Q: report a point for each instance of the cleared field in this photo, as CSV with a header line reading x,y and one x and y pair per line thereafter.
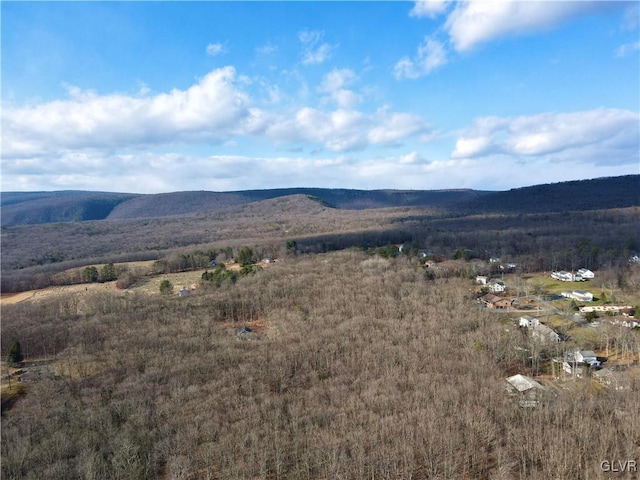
x,y
57,292
149,285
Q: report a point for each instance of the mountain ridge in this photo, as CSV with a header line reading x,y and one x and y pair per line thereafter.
x,y
21,208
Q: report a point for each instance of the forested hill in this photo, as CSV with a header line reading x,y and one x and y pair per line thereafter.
x,y
21,208
67,206
209,202
596,194
46,207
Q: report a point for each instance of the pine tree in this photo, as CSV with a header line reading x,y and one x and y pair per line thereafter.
x,y
166,287
15,353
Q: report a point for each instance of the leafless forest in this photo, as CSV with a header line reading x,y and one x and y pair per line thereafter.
x,y
32,255
356,366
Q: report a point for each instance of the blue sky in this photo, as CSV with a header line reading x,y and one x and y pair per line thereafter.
x,y
156,97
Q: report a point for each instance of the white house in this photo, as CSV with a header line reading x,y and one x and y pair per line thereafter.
x,y
579,295
497,286
482,280
585,273
528,321
586,356
563,276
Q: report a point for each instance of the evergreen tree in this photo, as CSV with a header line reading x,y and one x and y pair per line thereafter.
x,y
246,256
90,274
15,353
108,273
166,287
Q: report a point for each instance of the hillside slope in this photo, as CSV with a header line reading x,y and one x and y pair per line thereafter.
x,y
180,203
582,195
21,208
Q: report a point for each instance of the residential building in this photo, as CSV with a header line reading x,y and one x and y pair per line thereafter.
x,y
493,301
623,309
585,274
528,321
579,295
587,357
544,334
563,276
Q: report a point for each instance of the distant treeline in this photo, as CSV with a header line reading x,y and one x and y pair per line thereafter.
x,y
537,242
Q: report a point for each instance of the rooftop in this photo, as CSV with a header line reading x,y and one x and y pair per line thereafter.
x,y
522,383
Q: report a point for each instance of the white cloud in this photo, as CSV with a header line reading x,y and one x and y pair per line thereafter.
x,y
601,136
393,127
477,21
211,110
467,147
215,110
429,8
334,83
162,172
344,130
317,55
214,49
314,51
431,55
627,49
339,131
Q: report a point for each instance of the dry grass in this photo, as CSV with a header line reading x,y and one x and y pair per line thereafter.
x,y
149,285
